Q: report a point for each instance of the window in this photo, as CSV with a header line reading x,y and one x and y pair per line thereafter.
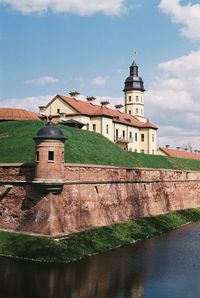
x,y
87,126
123,132
129,112
142,137
58,111
152,151
141,98
136,150
141,112
107,129
136,111
136,98
130,134
129,98
142,151
153,138
136,136
94,127
37,156
51,155
117,133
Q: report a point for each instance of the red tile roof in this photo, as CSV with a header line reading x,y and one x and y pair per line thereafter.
x,y
180,153
17,114
90,109
148,124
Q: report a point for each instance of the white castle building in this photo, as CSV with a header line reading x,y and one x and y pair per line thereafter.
x,y
124,125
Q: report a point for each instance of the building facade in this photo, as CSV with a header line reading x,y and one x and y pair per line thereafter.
x,y
124,125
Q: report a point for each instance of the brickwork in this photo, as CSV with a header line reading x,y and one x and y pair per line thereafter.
x,y
82,206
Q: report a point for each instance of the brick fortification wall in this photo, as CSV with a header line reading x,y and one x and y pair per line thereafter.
x,y
105,195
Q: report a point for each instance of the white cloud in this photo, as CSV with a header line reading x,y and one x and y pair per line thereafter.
x,y
80,7
99,80
29,103
188,15
174,100
46,80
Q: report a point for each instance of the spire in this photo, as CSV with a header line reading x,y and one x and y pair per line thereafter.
x,y
134,67
134,58
134,82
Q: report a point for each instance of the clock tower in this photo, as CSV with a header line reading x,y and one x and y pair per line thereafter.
x,y
134,94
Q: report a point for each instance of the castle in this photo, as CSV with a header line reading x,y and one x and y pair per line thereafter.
x,y
125,125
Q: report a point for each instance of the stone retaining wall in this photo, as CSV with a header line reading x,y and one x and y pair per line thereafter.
x,y
92,196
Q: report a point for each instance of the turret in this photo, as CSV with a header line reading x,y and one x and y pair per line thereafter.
x,y
134,93
49,163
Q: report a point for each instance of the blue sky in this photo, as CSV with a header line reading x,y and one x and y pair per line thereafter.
x,y
54,46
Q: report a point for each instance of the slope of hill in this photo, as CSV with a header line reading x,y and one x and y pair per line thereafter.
x,y
17,145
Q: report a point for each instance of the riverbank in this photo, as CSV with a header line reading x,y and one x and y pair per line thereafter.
x,y
79,245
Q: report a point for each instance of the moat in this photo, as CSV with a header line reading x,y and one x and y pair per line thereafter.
x,y
166,266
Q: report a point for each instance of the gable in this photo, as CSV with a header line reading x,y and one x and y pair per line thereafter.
x,y
58,104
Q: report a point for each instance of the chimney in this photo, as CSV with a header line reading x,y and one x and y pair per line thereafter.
x,y
42,109
178,148
105,103
119,107
167,146
91,99
74,94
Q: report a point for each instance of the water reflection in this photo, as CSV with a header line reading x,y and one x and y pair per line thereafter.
x,y
166,266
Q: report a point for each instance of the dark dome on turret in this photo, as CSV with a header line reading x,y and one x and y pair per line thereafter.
x,y
134,82
50,132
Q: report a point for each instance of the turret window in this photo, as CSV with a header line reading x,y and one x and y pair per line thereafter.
x,y
51,156
129,98
153,138
136,111
37,156
142,137
136,98
123,133
129,111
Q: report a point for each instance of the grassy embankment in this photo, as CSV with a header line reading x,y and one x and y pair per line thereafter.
x,y
82,147
80,245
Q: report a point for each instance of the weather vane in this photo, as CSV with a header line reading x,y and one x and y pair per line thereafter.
x,y
134,54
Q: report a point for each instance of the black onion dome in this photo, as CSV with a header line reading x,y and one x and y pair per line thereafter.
x,y
134,82
50,132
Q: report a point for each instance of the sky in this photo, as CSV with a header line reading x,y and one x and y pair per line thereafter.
x,y
49,47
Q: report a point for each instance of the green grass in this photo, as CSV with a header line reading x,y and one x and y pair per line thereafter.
x,y
82,146
83,244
